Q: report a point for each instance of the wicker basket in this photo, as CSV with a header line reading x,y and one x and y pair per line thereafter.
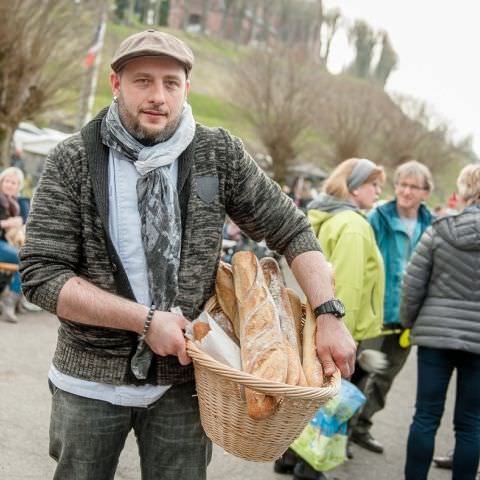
x,y
224,416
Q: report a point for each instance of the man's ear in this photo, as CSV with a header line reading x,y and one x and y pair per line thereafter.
x,y
187,88
115,83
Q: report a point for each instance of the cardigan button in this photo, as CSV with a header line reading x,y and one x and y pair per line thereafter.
x,y
114,268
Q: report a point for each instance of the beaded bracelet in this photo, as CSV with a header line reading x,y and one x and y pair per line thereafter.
x,y
148,322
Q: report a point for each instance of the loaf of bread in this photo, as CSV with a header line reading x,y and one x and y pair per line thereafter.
x,y
262,345
274,280
215,311
311,363
225,292
200,330
298,317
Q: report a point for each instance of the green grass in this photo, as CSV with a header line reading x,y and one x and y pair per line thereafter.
x,y
217,113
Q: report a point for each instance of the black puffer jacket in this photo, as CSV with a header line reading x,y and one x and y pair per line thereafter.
x,y
441,292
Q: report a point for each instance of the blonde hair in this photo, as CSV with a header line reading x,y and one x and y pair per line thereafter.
x,y
468,184
414,169
336,184
12,171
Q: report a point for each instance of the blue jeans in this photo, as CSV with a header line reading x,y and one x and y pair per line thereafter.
x,y
87,436
435,368
9,254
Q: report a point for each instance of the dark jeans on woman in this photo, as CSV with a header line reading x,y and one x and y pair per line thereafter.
x,y
87,436
435,368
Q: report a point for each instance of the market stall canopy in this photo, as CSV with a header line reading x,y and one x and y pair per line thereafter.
x,y
37,141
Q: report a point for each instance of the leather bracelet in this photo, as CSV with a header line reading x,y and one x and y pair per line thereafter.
x,y
148,321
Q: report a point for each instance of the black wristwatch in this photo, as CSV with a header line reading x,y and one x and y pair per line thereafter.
x,y
333,306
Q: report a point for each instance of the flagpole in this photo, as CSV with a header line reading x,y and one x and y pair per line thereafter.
x,y
93,65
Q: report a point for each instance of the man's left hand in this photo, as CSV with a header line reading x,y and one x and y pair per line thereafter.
x,y
335,346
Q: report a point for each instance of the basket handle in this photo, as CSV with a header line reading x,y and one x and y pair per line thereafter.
x,y
261,385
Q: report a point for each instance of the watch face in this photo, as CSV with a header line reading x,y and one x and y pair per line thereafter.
x,y
339,307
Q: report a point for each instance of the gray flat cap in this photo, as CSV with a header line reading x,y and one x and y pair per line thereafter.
x,y
152,43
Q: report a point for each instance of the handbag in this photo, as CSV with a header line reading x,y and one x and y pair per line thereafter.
x,y
323,442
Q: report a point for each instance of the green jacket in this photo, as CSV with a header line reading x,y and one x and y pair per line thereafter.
x,y
348,242
67,235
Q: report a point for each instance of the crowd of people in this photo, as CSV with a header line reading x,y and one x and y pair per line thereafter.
x,y
127,223
13,215
412,279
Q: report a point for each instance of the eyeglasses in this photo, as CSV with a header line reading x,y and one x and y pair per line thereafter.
x,y
413,188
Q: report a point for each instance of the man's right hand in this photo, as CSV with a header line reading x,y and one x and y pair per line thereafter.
x,y
166,336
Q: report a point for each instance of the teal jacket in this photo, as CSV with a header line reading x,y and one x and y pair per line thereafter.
x,y
396,248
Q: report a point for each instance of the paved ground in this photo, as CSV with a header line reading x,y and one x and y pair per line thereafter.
x,y
25,353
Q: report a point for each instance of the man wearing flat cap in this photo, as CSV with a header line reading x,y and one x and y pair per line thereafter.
x,y
126,226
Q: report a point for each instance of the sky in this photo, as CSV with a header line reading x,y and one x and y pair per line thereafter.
x,y
437,44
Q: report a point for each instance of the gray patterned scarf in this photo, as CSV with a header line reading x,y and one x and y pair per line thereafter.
x,y
158,207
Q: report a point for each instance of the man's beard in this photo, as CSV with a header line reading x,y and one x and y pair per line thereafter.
x,y
144,136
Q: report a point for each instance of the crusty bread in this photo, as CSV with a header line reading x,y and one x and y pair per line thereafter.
x,y
311,364
274,280
225,292
215,311
262,345
297,311
200,330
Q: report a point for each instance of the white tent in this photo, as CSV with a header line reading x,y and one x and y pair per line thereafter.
x,y
36,141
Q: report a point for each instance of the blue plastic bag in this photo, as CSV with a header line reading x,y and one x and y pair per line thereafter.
x,y
323,442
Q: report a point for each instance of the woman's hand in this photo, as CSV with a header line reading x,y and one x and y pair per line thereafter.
x,y
12,222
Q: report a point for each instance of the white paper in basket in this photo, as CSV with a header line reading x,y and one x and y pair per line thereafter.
x,y
216,343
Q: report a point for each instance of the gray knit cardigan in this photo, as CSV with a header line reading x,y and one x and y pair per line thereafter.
x,y
67,235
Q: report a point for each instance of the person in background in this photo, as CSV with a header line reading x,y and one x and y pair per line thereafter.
x,y
302,192
440,303
125,225
340,225
11,237
348,242
398,226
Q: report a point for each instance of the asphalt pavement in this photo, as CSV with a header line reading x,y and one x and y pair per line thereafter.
x,y
25,353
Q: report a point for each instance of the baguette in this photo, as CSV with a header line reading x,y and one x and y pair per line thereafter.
x,y
274,280
225,292
262,346
311,364
298,316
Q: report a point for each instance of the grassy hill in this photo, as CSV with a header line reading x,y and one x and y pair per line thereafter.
x,y
211,103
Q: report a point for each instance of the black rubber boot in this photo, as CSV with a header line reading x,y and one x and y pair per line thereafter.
x,y
286,463
303,471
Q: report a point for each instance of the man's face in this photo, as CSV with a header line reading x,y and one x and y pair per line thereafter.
x,y
411,191
151,92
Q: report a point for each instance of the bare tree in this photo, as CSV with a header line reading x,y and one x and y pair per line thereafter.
x,y
204,19
350,113
239,15
227,8
415,130
42,45
276,89
364,39
387,62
